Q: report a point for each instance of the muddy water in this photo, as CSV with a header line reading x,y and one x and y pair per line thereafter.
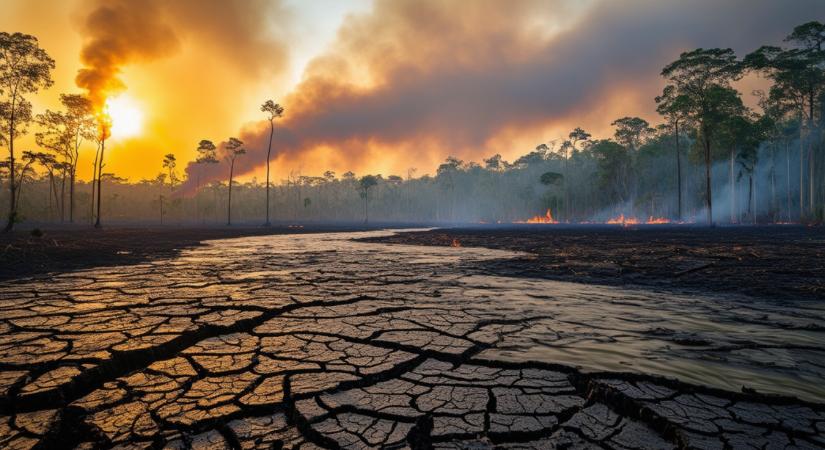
x,y
726,342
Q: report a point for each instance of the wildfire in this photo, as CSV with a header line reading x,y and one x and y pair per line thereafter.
x,y
621,219
455,243
546,218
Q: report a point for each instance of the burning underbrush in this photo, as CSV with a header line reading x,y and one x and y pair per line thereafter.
x,y
621,219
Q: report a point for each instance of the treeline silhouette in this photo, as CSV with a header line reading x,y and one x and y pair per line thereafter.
x,y
711,159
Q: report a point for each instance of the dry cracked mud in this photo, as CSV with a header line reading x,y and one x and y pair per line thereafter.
x,y
317,341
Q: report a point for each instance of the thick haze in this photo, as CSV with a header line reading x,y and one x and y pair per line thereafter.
x,y
379,87
414,81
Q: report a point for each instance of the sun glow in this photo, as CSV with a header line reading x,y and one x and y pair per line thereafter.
x,y
125,115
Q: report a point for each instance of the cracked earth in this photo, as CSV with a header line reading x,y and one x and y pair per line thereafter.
x,y
318,341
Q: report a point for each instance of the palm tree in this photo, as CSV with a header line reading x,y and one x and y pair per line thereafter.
x,y
233,148
274,110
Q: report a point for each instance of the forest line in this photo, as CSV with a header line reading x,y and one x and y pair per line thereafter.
x,y
710,159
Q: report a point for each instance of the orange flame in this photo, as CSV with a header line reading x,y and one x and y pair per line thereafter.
x,y
455,243
546,218
104,122
623,220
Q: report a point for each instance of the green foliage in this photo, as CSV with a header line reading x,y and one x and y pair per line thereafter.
x,y
552,179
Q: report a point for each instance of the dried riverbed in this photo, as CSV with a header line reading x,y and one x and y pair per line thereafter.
x,y
316,340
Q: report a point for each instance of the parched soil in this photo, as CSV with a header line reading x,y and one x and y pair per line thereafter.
x,y
780,262
317,341
23,253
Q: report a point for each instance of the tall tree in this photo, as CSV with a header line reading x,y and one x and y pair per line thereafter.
x,y
170,164
366,183
80,126
273,111
702,78
25,68
631,133
673,107
104,126
206,155
233,148
63,132
798,76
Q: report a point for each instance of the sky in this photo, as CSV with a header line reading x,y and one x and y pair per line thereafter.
x,y
377,86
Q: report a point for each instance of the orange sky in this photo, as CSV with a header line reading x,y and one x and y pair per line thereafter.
x,y
387,85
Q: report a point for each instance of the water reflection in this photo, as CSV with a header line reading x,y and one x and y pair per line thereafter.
x,y
721,341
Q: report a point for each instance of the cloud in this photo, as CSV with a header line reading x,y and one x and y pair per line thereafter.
x,y
416,80
119,33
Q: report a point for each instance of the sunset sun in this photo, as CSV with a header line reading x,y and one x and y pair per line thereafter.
x,y
126,116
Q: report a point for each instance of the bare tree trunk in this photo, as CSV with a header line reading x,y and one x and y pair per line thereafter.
x,y
708,194
366,205
99,179
268,155
732,189
678,173
801,174
94,183
773,182
12,186
72,174
49,188
751,211
197,194
229,203
63,196
811,176
788,178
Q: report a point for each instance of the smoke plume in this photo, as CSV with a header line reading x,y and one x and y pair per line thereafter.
x,y
119,33
430,78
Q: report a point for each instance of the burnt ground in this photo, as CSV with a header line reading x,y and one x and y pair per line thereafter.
x,y
776,262
315,341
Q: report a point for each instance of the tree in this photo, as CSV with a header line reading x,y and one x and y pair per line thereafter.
x,y
574,138
30,158
206,155
273,111
366,183
25,68
630,132
54,137
735,133
674,107
446,174
80,126
104,126
233,148
64,132
169,163
613,160
702,79
798,82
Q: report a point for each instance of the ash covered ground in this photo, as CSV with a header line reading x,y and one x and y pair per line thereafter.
x,y
776,262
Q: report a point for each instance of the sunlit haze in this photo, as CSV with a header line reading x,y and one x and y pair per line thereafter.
x,y
126,116
377,87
